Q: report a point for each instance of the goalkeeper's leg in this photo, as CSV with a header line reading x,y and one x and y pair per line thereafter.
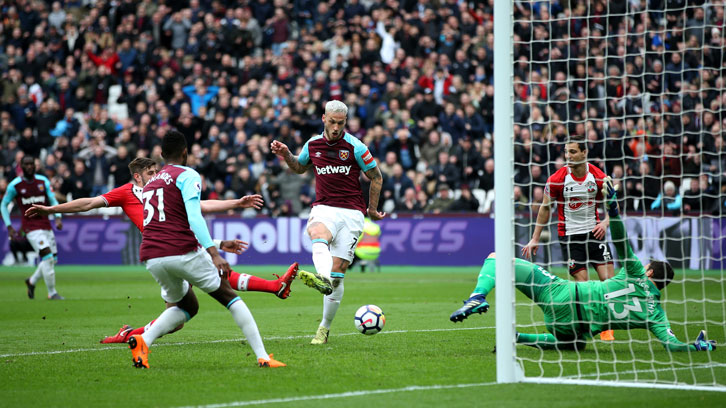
x,y
530,279
547,341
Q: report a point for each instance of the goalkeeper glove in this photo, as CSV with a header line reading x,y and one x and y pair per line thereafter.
x,y
609,191
702,344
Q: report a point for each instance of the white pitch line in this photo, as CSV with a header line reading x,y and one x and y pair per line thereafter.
x,y
443,387
51,352
341,395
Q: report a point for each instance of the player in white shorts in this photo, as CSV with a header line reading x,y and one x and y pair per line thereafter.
x,y
26,190
336,220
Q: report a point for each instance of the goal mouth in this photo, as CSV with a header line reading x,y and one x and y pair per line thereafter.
x,y
590,90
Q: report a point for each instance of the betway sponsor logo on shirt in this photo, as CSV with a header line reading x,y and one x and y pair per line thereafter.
x,y
32,200
333,170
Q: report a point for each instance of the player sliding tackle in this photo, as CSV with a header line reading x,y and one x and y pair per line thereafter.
x,y
128,197
576,311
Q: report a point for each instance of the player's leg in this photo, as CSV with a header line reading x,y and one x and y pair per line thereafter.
x,y
201,272
250,283
245,321
320,228
574,252
530,279
349,226
126,331
41,241
174,289
602,260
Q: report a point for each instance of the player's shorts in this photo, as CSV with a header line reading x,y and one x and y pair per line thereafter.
x,y
40,239
579,250
345,224
175,273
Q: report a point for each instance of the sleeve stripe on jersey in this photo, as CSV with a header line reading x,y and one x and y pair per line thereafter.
x,y
367,157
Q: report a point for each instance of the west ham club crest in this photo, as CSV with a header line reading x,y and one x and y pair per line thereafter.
x,y
343,154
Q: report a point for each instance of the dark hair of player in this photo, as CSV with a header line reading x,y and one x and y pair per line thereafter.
x,y
662,273
139,164
173,145
580,140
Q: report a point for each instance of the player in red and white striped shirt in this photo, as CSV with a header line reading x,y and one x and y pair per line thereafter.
x,y
576,188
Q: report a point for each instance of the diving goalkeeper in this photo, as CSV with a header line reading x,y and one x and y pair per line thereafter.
x,y
576,311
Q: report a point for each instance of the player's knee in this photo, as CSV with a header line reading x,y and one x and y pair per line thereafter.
x,y
492,255
191,310
318,230
43,252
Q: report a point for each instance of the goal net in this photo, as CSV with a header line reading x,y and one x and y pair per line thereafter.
x,y
642,82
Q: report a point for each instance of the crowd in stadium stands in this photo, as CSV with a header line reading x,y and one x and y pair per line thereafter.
x,y
88,85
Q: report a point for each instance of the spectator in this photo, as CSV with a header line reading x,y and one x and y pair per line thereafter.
x,y
466,202
441,202
692,198
409,203
668,200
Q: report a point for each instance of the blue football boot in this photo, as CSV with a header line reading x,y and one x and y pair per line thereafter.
x,y
475,304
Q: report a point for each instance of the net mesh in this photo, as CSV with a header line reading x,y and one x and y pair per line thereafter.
x,y
643,83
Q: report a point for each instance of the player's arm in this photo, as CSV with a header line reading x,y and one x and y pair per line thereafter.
x,y
671,343
7,199
190,185
633,266
299,164
368,164
75,206
249,201
543,219
374,193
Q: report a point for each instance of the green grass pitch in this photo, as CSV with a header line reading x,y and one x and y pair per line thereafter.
x,y
51,355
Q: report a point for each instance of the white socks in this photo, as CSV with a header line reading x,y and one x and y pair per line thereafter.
x,y
322,259
244,279
35,277
46,268
246,322
166,322
331,303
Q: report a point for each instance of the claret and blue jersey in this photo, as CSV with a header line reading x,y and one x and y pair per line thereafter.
x,y
26,193
337,170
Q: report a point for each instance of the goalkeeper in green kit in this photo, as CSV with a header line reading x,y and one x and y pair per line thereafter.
x,y
576,311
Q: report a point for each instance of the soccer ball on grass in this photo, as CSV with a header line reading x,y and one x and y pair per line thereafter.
x,y
369,319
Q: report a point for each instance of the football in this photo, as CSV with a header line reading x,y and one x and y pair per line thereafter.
x,y
369,319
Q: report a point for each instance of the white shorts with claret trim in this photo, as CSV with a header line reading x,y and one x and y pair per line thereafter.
x,y
344,224
175,273
40,239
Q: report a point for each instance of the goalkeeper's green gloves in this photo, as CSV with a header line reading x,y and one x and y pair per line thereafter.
x,y
702,344
609,191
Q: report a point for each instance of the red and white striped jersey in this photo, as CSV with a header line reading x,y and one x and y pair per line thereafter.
x,y
577,199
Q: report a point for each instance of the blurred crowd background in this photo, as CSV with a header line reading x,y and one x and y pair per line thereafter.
x,y
89,85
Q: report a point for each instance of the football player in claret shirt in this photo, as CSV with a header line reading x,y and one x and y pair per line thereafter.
x,y
174,229
128,197
576,311
576,190
26,190
336,219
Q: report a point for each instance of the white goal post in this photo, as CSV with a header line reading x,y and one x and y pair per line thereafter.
x,y
696,299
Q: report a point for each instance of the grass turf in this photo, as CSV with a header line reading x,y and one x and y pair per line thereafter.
x,y
51,355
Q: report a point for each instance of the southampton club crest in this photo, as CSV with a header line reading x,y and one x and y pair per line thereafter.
x,y
343,154
591,187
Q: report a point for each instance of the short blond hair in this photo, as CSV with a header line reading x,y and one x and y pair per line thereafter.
x,y
336,106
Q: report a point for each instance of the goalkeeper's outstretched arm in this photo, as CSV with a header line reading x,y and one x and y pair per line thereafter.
x,y
617,230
